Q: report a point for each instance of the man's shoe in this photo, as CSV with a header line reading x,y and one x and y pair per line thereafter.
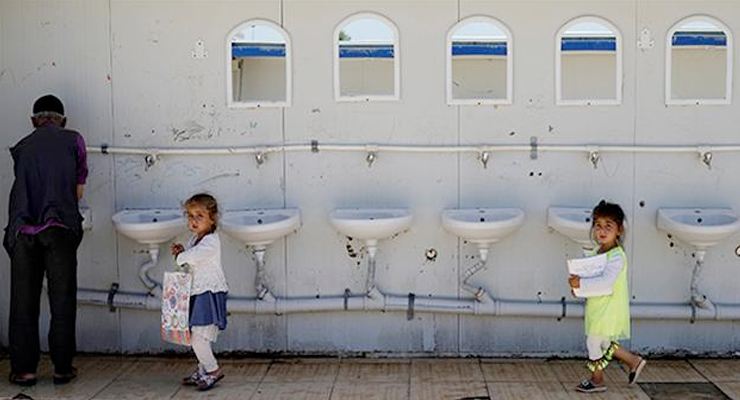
x,y
62,379
22,379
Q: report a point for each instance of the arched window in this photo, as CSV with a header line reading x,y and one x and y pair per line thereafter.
x,y
479,62
698,62
588,63
366,59
258,66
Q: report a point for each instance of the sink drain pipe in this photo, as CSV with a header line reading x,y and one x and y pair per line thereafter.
x,y
698,299
155,288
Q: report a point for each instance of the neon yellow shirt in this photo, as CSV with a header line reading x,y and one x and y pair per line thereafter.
x,y
610,315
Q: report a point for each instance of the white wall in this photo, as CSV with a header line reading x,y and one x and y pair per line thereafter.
x,y
126,73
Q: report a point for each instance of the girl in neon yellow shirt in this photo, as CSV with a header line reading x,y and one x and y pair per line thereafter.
x,y
607,317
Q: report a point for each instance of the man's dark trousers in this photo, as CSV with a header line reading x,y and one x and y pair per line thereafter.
x,y
52,251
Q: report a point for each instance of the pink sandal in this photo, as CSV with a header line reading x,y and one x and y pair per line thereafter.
x,y
209,379
192,379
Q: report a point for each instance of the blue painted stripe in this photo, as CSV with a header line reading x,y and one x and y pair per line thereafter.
x,y
588,44
366,51
257,50
478,49
699,39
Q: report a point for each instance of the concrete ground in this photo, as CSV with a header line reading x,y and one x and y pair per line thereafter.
x,y
133,377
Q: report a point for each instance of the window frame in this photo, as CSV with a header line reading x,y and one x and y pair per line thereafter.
x,y
619,67
396,96
669,63
508,100
230,103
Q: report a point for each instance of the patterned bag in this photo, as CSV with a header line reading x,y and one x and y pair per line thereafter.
x,y
176,307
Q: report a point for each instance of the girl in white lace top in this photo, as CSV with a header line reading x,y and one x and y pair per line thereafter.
x,y
208,293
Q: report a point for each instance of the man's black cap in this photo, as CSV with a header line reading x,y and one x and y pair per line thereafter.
x,y
48,103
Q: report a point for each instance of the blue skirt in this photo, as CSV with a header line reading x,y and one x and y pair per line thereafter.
x,y
208,309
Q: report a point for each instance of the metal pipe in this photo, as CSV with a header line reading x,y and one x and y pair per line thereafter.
x,y
395,303
411,148
140,301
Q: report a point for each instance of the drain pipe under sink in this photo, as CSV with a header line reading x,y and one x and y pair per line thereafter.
x,y
698,299
155,288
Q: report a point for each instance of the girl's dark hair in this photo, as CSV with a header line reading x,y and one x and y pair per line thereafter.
x,y
608,210
206,201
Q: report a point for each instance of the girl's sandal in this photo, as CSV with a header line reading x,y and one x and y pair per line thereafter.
x,y
192,379
209,379
638,369
589,387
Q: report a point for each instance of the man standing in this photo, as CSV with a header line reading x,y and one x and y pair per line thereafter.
x,y
43,233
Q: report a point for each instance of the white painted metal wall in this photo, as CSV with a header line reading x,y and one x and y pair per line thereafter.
x,y
126,73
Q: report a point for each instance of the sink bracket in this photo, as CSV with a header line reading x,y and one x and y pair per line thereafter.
x,y
562,302
111,294
410,311
533,146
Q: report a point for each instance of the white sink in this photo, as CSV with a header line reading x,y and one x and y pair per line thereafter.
x,y
258,228
699,227
152,227
370,225
483,226
573,222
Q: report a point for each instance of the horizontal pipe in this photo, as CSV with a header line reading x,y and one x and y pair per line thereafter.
x,y
141,301
518,308
394,303
410,148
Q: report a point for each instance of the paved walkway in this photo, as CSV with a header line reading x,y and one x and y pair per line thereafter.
x,y
132,377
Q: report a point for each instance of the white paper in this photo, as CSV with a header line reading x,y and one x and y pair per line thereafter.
x,y
586,268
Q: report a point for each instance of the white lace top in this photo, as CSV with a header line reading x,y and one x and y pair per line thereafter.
x,y
204,260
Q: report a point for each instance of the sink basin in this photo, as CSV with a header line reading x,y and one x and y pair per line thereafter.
x,y
573,222
153,226
370,225
483,225
700,227
258,228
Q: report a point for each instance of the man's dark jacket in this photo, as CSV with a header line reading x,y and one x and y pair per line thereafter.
x,y
45,183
